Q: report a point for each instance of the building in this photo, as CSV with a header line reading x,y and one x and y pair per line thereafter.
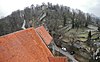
x,y
27,46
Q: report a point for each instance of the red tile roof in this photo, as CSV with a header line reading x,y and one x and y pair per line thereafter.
x,y
11,50
57,59
24,46
44,34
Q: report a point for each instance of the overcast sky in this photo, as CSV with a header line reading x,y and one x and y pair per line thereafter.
x,y
91,6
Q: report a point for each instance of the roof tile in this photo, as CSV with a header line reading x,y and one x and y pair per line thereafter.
x,y
44,34
57,59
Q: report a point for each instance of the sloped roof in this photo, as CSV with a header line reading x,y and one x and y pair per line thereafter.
x,y
24,46
44,34
57,59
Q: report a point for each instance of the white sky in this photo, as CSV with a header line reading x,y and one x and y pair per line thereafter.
x,y
7,6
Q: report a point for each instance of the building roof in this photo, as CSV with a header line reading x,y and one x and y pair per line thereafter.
x,y
24,46
57,59
44,34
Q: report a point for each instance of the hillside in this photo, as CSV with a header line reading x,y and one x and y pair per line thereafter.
x,y
56,16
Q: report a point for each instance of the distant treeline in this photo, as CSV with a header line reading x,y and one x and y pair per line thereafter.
x,y
56,16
